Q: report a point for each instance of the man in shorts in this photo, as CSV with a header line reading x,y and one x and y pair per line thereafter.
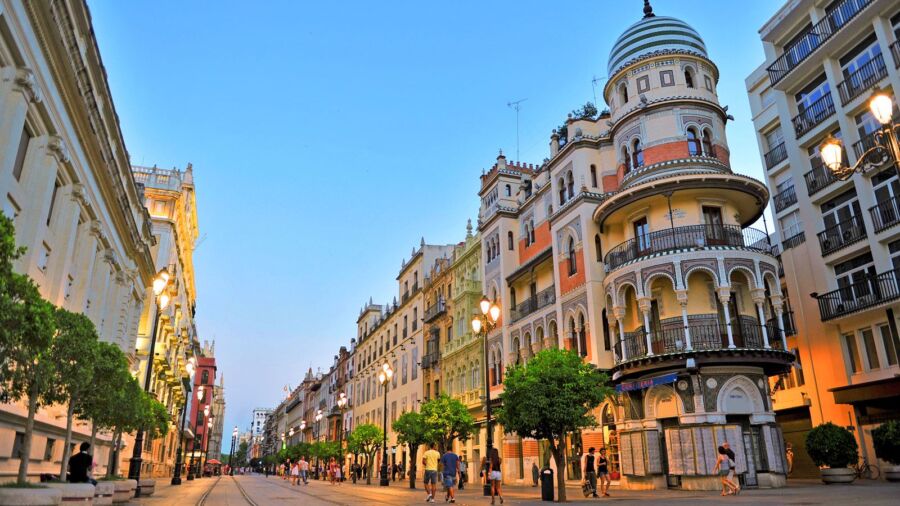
x,y
430,461
450,461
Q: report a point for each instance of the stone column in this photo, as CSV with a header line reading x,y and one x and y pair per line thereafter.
x,y
644,304
778,304
619,314
682,296
759,298
724,293
18,88
535,347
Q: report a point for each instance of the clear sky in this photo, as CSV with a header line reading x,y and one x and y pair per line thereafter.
x,y
328,137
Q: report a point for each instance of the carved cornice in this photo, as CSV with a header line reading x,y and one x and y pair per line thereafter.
x,y
23,81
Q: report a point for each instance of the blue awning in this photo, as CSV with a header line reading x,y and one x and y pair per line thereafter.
x,y
629,386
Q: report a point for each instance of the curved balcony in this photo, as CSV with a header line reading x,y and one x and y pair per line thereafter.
x,y
675,342
686,238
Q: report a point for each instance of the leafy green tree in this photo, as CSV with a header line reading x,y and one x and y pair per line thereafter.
x,y
587,111
365,439
73,355
27,327
446,419
155,417
549,397
410,429
108,383
240,455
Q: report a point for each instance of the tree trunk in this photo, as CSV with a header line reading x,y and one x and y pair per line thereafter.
x,y
93,441
29,431
413,450
559,459
118,458
65,456
113,456
369,465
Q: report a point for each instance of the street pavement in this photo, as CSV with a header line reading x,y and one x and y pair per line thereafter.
x,y
257,490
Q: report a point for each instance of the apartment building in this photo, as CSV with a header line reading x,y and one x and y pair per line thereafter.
x,y
839,240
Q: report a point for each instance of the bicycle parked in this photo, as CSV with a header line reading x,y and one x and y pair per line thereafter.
x,y
866,471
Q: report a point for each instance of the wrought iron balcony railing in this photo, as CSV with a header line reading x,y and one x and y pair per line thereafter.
x,y
746,335
784,199
693,236
861,295
841,235
816,35
435,310
813,115
885,214
794,241
818,178
775,155
862,79
541,299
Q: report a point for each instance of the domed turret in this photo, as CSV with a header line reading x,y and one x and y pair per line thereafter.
x,y
654,35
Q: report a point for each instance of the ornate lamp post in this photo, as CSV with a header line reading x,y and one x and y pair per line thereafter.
x,y
482,325
205,456
191,475
318,433
176,478
341,403
163,297
234,435
384,377
886,148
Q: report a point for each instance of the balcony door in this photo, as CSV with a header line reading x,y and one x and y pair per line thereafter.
x,y
856,280
842,218
641,236
714,226
887,189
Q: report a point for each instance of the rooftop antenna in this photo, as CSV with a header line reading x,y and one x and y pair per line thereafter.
x,y
594,82
516,105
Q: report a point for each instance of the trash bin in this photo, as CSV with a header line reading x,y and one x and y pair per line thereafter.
x,y
547,484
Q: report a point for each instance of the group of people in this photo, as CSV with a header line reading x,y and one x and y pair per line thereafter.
x,y
449,469
298,471
594,467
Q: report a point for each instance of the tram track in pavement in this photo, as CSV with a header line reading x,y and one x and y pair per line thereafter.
x,y
203,497
243,492
299,490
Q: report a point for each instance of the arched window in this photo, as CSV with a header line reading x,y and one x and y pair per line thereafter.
x,y
204,378
623,93
512,297
593,176
707,143
508,191
562,192
509,240
626,159
689,77
637,154
571,330
570,184
531,232
598,248
582,336
573,268
693,142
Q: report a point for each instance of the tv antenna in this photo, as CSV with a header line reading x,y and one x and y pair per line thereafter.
x,y
594,82
516,105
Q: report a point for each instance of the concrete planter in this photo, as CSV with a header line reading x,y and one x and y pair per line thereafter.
x,y
124,490
148,486
892,473
103,493
75,493
30,496
843,475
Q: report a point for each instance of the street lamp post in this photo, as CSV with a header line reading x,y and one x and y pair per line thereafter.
x,y
318,433
341,403
234,435
205,456
384,377
885,149
483,324
179,460
160,283
191,475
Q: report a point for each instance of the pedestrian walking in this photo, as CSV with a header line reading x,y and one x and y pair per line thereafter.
x,y
495,474
789,456
463,473
304,470
430,461
603,472
295,473
725,471
589,471
450,463
535,472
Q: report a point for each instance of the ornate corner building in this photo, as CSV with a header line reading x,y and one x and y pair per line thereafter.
x,y
632,246
840,243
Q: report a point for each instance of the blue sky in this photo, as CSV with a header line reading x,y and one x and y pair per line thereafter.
x,y
328,137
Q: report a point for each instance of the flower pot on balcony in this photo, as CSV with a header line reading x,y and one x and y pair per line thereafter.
x,y
892,473
74,493
103,493
148,487
843,475
31,496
